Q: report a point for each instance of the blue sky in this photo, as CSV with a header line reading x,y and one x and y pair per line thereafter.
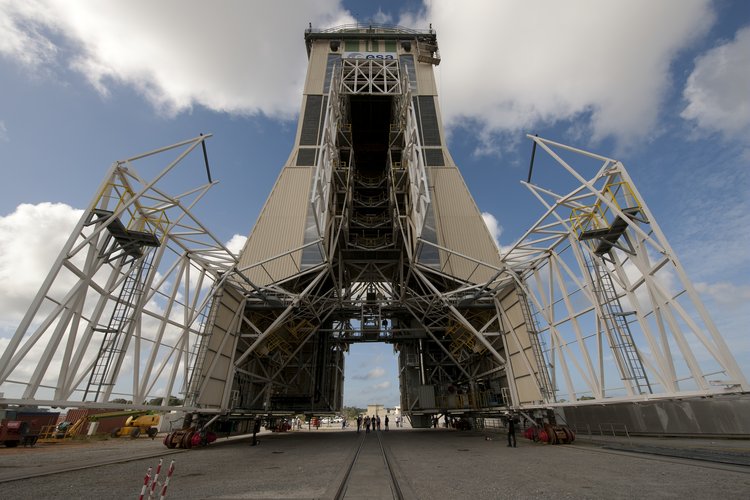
x,y
662,86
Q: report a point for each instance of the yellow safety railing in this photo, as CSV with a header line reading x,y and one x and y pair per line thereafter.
x,y
599,215
119,193
463,339
301,330
276,343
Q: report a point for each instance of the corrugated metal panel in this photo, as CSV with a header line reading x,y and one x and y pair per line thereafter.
x,y
316,67
426,395
228,305
460,225
522,360
429,121
280,227
426,79
334,60
433,157
311,121
306,157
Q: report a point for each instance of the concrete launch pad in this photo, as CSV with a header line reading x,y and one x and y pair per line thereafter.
x,y
429,463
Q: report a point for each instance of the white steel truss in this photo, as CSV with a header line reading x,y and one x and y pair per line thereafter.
x,y
618,316
122,309
370,76
579,307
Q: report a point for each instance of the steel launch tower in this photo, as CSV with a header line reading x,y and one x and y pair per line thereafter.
x,y
371,235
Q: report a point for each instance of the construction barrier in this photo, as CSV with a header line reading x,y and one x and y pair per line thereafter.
x,y
150,484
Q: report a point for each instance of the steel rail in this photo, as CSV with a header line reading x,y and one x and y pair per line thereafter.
x,y
62,468
395,488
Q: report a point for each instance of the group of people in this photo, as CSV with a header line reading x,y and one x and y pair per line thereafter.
x,y
373,422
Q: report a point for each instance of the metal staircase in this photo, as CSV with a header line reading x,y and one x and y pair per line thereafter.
x,y
615,319
116,331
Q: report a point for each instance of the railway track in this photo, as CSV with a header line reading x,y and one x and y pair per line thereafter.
x,y
673,456
370,473
62,467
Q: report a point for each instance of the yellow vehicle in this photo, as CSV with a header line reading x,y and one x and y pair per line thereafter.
x,y
136,425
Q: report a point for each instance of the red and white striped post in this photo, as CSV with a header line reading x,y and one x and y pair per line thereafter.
x,y
146,480
155,479
166,481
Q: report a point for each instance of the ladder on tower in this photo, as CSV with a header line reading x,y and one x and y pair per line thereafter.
x,y
115,333
532,327
615,320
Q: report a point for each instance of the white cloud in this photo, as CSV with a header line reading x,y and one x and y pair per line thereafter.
x,y
507,66
524,63
382,385
717,89
3,132
381,17
22,23
493,225
236,56
376,372
729,295
30,240
236,243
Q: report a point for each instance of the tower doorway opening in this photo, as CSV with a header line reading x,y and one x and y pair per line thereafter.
x,y
371,375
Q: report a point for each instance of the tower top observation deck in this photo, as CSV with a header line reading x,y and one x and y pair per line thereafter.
x,y
363,31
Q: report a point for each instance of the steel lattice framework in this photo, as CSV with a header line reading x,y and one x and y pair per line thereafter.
x,y
123,305
614,306
143,301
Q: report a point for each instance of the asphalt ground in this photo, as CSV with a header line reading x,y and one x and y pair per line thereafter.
x,y
429,463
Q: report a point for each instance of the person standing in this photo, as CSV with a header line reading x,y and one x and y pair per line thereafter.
x,y
256,430
511,431
367,423
377,420
386,422
359,423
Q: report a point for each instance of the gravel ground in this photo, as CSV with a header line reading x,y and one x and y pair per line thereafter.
x,y
434,463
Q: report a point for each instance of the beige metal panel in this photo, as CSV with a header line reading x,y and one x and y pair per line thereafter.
x,y
460,225
279,228
316,67
425,78
219,350
211,396
520,352
528,393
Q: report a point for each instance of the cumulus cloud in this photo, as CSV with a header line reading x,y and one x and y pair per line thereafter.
x,y
382,385
233,56
30,239
236,243
507,66
493,225
717,89
22,24
727,294
376,372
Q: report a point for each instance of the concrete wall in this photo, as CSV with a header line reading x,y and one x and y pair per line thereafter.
x,y
721,415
